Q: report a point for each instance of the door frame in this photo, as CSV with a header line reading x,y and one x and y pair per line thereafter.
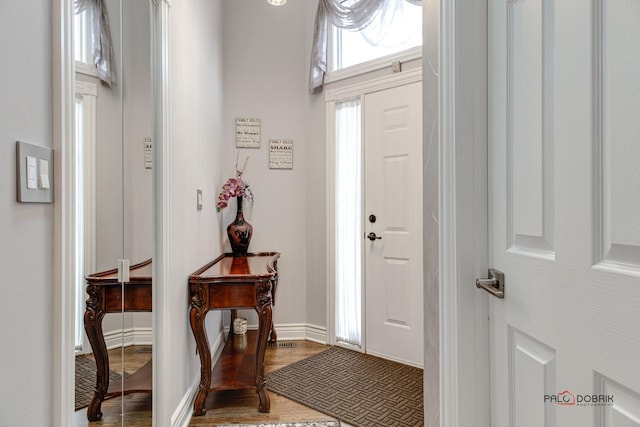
x,y
463,213
88,91
459,378
462,53
162,221
64,257
332,95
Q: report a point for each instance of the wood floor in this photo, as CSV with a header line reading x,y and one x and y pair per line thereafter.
x,y
222,408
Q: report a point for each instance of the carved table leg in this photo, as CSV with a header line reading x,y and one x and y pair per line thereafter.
x,y
93,326
197,314
273,337
264,327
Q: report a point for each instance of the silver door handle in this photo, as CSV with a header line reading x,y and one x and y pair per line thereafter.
x,y
494,284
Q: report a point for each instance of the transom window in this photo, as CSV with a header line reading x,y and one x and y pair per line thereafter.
x,y
82,42
397,29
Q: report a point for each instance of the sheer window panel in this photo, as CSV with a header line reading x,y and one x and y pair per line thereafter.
x,y
82,37
79,273
348,217
85,116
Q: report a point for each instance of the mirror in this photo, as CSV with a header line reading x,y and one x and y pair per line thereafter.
x,y
113,142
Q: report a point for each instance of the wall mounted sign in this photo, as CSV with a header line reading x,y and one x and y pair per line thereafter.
x,y
148,153
280,154
247,132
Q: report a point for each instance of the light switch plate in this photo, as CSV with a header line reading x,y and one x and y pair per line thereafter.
x,y
34,173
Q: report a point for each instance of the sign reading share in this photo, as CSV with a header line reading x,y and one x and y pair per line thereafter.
x,y
280,154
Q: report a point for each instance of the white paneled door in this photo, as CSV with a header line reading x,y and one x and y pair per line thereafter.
x,y
393,223
564,217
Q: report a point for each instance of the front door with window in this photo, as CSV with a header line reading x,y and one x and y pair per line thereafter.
x,y
564,197
393,223
377,220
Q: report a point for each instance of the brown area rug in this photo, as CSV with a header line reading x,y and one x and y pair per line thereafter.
x,y
86,380
356,388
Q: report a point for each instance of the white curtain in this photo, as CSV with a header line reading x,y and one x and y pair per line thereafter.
x,y
100,39
348,222
354,15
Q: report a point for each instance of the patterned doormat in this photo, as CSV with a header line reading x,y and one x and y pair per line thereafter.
x,y
86,380
356,388
297,424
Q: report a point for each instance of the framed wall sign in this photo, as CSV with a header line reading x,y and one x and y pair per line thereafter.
x,y
280,154
247,132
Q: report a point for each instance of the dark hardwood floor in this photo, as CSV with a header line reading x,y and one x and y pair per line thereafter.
x,y
222,407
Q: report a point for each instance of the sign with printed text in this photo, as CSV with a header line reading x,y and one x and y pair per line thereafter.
x,y
247,132
280,154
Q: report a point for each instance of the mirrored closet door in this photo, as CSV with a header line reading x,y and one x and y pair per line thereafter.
x,y
112,41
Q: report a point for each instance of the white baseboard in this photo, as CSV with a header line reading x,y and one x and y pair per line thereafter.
x,y
128,337
182,415
317,334
295,332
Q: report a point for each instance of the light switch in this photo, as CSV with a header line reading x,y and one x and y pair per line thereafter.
x,y
32,173
44,173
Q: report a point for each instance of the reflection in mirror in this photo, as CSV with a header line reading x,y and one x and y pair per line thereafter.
x,y
113,129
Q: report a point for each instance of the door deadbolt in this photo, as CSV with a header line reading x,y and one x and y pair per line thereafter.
x,y
494,284
372,218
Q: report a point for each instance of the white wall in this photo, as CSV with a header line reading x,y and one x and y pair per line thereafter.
x,y
266,66
124,213
137,108
26,230
431,213
194,158
316,178
124,120
137,125
109,155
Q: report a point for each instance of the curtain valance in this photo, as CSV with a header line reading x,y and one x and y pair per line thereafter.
x,y
355,17
101,44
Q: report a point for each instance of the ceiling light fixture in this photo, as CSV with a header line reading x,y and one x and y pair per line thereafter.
x,y
276,2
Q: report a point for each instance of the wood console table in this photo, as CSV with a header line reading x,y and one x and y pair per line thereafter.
x,y
234,283
106,296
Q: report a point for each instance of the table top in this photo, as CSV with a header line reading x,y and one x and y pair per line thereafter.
x,y
138,274
229,268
